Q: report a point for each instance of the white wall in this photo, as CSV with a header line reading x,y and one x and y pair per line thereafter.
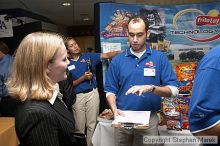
x,y
86,42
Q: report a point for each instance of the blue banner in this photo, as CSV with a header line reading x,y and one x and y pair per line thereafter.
x,y
173,28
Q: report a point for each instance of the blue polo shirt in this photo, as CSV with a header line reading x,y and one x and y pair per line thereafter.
x,y
5,67
127,70
204,111
79,67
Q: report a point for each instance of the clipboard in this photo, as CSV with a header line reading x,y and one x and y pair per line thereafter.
x,y
130,126
132,119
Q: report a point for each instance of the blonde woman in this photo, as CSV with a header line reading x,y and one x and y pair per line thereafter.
x,y
42,119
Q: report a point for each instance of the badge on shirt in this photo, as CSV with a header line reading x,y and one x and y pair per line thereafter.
x,y
71,67
149,72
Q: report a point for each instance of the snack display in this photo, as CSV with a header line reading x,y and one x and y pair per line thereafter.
x,y
173,123
183,103
174,111
185,89
185,73
170,115
184,121
170,107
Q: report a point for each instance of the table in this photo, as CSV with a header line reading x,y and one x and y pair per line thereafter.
x,y
8,135
104,135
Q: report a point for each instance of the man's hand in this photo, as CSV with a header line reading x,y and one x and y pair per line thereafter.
x,y
87,76
112,104
117,112
139,89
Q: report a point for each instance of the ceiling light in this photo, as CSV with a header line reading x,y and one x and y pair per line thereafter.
x,y
86,19
66,4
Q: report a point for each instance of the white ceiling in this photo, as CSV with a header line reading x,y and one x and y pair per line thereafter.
x,y
74,14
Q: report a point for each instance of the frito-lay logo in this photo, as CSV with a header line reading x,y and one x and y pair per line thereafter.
x,y
83,60
211,19
149,64
207,20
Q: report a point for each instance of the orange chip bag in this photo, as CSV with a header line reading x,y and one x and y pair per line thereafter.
x,y
186,71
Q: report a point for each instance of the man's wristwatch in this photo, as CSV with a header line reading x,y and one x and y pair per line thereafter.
x,y
152,88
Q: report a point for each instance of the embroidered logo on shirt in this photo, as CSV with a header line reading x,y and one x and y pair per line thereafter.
x,y
83,60
149,64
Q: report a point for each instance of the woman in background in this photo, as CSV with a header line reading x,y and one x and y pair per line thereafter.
x,y
81,67
42,118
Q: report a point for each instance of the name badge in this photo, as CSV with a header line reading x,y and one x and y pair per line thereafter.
x,y
149,72
71,67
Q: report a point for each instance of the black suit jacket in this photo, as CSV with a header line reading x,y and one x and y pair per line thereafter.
x,y
66,88
38,123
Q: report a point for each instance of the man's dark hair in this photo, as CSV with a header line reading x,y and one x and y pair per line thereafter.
x,y
4,48
137,18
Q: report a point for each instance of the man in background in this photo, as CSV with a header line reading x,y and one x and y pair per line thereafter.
x,y
204,109
6,104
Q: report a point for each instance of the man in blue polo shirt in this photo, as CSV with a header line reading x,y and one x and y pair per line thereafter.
x,y
204,110
139,69
7,106
81,67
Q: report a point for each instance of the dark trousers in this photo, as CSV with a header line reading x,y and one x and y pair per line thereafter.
x,y
80,139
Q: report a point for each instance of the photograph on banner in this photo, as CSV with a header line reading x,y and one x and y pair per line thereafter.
x,y
6,29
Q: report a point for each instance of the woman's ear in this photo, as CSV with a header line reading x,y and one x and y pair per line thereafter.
x,y
48,70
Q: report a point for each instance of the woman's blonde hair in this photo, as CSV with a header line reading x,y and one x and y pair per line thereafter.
x,y
29,77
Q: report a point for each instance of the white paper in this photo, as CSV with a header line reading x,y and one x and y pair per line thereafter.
x,y
136,117
110,47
